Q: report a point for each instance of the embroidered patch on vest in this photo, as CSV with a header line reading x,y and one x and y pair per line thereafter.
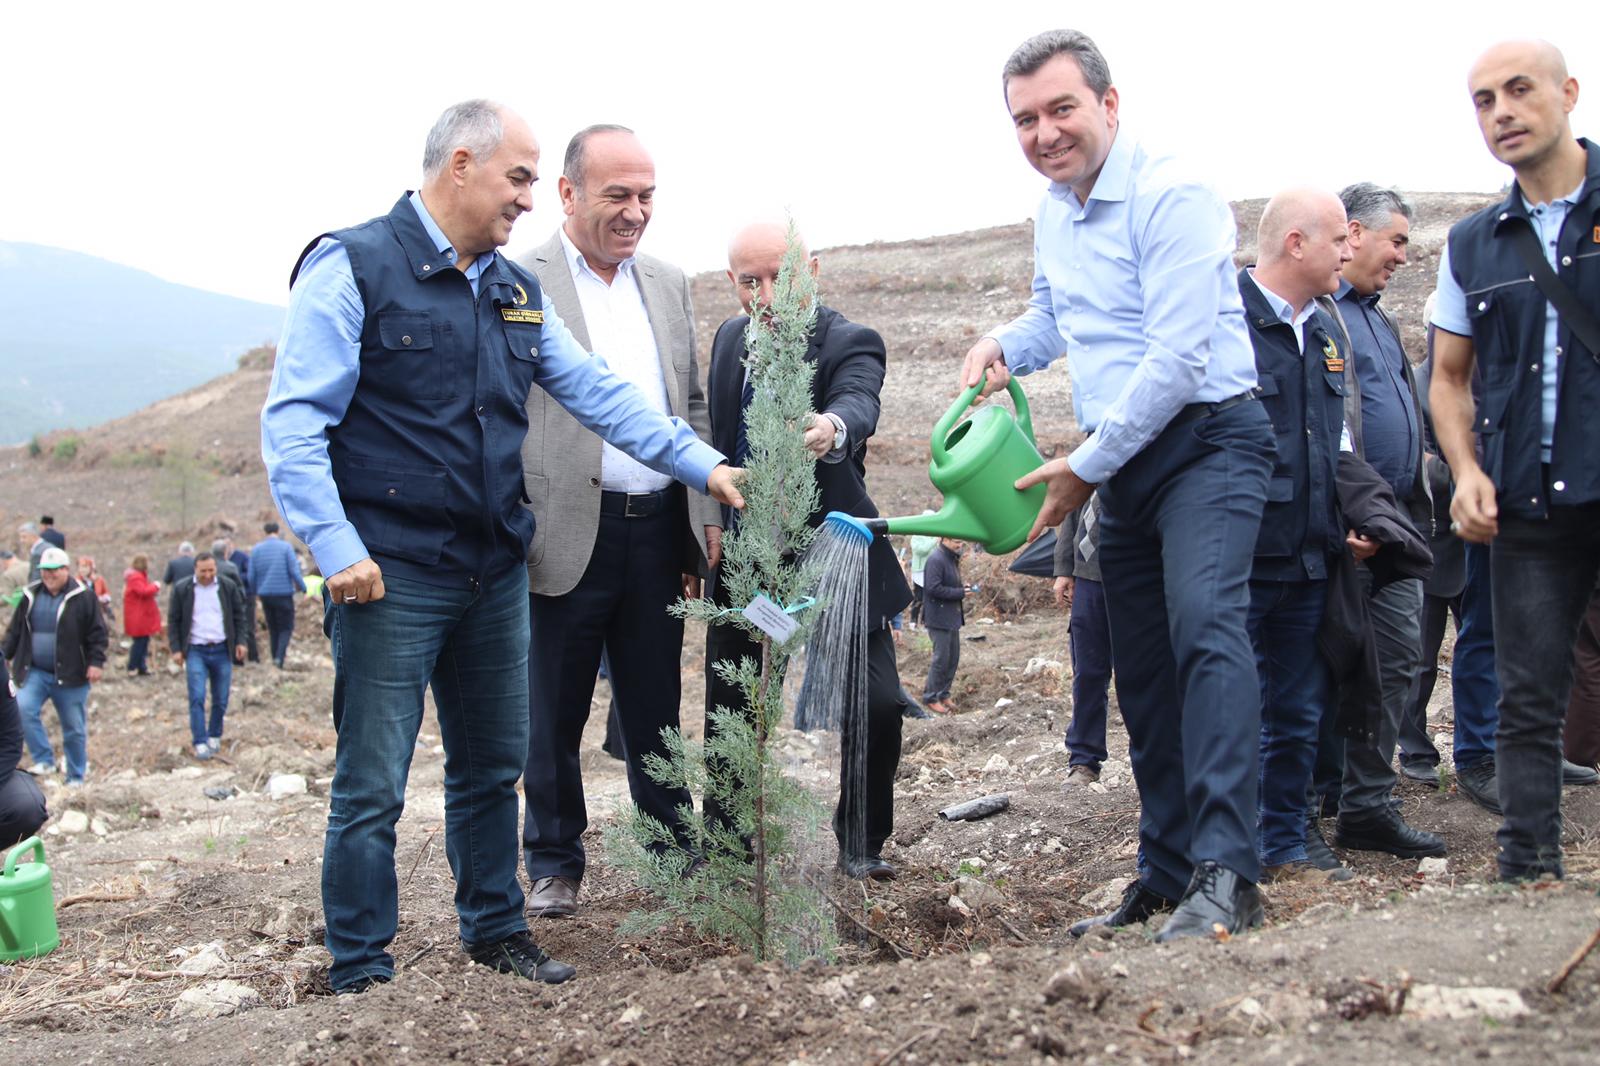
x,y
1331,358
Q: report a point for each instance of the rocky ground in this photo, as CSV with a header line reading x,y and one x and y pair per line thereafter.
x,y
189,889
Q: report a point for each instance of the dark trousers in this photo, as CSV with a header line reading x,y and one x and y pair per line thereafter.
x,y
916,603
943,665
1089,634
139,655
1177,537
1296,695
864,816
252,650
1474,692
1544,578
1582,737
619,607
280,624
1396,612
22,809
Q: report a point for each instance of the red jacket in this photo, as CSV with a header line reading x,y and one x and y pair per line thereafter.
x,y
141,617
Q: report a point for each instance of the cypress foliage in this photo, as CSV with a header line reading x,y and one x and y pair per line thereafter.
x,y
756,896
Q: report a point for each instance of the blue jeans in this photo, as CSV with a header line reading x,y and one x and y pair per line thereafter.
x,y
139,655
472,647
201,663
1177,537
1089,634
1296,694
1473,688
1544,574
71,702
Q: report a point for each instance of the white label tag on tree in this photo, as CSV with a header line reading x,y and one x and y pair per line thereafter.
x,y
770,619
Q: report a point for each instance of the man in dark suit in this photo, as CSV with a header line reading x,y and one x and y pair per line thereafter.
x,y
850,362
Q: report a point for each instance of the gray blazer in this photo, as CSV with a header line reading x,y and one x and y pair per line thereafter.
x,y
561,459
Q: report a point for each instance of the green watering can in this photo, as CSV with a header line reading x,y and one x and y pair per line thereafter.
x,y
975,465
27,905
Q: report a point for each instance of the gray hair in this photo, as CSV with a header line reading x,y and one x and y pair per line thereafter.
x,y
1373,205
28,527
1039,49
472,124
219,548
572,163
186,548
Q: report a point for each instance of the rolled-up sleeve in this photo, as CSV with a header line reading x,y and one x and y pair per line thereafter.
x,y
611,407
313,380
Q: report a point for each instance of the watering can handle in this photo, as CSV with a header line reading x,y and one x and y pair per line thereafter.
x,y
941,431
34,843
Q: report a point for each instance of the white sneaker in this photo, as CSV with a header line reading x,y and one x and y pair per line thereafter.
x,y
75,784
202,751
215,744
42,769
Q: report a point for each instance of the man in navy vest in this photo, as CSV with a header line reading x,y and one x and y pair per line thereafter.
x,y
392,437
1535,497
1302,244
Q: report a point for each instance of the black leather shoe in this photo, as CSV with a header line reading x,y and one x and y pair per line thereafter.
x,y
1575,774
1218,900
1420,770
1478,783
362,984
1384,830
867,867
518,954
1318,853
1138,903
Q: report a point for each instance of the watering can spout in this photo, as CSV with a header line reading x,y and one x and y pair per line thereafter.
x,y
954,519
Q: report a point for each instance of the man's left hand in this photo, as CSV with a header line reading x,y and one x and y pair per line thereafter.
x,y
1065,492
820,432
723,485
94,674
238,653
1361,547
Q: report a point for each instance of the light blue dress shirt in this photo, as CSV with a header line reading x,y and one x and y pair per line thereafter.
x,y
1450,307
319,363
1139,289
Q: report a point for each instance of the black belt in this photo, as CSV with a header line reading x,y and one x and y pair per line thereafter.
x,y
1193,412
213,644
637,504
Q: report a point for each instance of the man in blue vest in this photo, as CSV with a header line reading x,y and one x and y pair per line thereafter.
x,y
1302,244
1519,289
392,436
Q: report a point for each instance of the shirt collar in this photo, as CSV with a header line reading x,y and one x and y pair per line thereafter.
x,y
1347,291
1115,177
1570,200
1280,307
578,265
442,243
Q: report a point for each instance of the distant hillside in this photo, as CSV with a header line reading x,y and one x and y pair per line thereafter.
x,y
86,340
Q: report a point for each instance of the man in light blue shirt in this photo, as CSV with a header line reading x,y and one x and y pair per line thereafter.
x,y
392,436
1134,281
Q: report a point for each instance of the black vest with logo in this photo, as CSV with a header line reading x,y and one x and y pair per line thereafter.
x,y
1304,397
1507,313
428,457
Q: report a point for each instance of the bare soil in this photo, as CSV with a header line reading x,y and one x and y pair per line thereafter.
x,y
171,879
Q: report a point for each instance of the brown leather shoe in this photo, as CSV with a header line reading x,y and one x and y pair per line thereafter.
x,y
1304,872
553,897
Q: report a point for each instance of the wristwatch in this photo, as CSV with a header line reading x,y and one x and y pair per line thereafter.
x,y
838,429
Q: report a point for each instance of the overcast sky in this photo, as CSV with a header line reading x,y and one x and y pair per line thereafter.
x,y
207,143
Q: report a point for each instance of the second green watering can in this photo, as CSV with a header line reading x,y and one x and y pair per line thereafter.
x,y
975,465
27,905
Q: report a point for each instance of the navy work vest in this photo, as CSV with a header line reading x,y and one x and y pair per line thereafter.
x,y
1507,312
428,458
1304,397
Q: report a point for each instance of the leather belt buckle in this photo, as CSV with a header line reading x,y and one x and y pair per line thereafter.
x,y
645,500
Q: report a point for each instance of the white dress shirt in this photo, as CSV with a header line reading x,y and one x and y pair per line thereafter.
x,y
620,334
205,627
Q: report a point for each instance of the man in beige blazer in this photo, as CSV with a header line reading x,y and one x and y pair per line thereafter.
x,y
615,543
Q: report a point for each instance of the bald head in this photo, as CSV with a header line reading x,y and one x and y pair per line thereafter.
x,y
1537,58
1524,98
1301,244
755,257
